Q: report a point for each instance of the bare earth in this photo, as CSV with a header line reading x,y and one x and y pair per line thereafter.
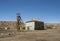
x,y
41,35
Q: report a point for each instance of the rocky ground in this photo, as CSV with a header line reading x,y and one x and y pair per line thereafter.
x,y
41,35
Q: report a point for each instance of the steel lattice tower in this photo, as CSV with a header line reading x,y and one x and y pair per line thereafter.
x,y
19,20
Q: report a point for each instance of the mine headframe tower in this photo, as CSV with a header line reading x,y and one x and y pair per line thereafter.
x,y
19,21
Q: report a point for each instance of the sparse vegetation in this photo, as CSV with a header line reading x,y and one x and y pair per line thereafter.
x,y
51,34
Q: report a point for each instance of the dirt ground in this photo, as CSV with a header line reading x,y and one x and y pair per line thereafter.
x,y
41,35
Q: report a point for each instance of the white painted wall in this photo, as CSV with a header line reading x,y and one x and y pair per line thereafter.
x,y
31,25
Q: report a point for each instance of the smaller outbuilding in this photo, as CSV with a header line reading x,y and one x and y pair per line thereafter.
x,y
34,24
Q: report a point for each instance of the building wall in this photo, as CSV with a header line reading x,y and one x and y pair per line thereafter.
x,y
39,25
35,26
30,25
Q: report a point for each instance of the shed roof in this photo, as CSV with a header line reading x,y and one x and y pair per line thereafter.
x,y
34,20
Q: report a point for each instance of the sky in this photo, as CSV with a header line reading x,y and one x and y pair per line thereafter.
x,y
44,10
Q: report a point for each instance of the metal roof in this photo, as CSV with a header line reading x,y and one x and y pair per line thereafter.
x,y
34,20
